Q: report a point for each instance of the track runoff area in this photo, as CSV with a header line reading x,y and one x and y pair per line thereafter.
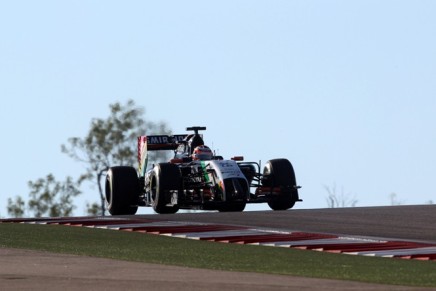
x,y
340,244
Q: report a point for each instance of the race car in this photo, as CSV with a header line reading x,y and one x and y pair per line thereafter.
x,y
196,178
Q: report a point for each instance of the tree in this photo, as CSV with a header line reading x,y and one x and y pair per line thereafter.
x,y
16,208
109,142
93,209
394,200
48,197
335,200
112,142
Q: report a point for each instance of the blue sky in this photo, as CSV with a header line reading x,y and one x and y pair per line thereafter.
x,y
344,89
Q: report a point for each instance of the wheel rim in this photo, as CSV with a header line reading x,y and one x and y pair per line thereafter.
x,y
153,189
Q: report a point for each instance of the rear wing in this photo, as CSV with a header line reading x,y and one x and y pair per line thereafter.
x,y
155,143
164,142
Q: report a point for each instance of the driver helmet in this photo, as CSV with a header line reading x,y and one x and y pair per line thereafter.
x,y
202,153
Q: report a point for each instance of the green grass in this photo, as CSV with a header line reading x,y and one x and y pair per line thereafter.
x,y
200,254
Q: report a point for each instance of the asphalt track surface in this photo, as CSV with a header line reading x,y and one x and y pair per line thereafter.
x,y
30,270
416,223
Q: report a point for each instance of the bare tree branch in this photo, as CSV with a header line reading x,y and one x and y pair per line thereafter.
x,y
336,200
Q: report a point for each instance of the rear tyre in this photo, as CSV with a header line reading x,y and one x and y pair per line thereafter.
x,y
279,173
122,190
164,178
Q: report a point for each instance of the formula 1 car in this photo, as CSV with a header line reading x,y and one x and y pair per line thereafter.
x,y
195,178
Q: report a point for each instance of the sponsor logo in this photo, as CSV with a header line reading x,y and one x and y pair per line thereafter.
x,y
157,139
229,169
178,137
165,139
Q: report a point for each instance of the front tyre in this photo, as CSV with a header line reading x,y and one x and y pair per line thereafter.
x,y
237,191
122,190
233,207
165,179
278,174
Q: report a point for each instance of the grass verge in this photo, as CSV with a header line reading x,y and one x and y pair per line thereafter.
x,y
200,254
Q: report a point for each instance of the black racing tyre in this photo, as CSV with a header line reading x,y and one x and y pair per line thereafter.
x,y
280,173
165,177
122,190
237,191
233,207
